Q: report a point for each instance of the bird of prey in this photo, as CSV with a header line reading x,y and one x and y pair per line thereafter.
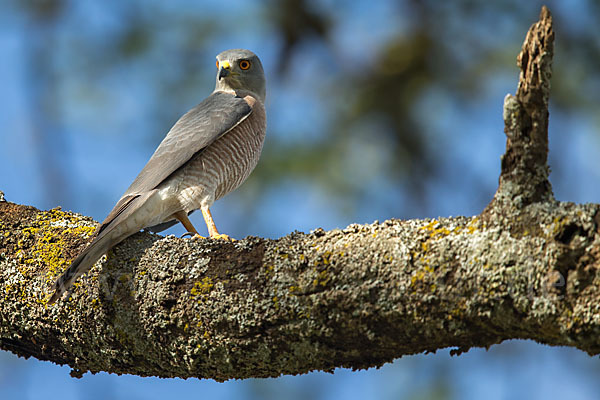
x,y
208,153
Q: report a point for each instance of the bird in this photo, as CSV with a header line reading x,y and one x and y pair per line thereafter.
x,y
210,151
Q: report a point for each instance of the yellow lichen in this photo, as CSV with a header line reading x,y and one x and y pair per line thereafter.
x,y
322,279
41,245
418,276
269,271
202,288
559,223
51,230
443,231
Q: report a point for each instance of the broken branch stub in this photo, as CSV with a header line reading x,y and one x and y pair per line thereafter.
x,y
524,174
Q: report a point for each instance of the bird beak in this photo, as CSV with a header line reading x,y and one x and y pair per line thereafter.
x,y
225,69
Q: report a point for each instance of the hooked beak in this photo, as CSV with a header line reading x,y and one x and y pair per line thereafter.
x,y
225,70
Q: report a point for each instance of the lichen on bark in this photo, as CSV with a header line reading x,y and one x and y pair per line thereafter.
x,y
526,268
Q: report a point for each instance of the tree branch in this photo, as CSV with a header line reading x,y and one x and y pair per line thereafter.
x,y
359,297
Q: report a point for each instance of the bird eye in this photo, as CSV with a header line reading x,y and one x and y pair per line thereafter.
x,y
217,64
245,64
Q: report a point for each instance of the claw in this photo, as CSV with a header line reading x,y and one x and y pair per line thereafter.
x,y
192,235
222,236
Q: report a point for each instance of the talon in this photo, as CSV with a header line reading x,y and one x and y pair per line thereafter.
x,y
222,236
191,231
192,235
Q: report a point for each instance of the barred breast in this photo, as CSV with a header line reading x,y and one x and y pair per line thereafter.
x,y
226,163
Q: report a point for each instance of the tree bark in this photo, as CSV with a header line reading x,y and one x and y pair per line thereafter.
x,y
526,268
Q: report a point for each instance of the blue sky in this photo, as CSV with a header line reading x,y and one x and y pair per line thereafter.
x,y
109,122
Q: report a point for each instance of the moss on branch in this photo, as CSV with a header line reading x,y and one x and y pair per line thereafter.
x,y
355,298
526,268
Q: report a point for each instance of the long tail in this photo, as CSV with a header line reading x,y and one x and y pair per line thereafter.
x,y
115,228
80,265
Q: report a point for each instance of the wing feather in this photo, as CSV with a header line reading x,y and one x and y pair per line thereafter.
x,y
117,210
198,128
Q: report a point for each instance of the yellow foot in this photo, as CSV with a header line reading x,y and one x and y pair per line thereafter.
x,y
222,236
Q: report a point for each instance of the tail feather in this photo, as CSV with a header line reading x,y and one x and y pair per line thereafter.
x,y
117,226
79,266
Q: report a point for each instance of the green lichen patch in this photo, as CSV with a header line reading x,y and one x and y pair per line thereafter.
x,y
43,244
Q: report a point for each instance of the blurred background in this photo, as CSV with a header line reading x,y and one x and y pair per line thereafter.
x,y
377,109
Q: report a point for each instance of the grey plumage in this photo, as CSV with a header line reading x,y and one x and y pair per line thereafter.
x,y
197,129
209,152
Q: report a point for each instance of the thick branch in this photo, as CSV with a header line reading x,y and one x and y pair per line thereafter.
x,y
354,298
527,268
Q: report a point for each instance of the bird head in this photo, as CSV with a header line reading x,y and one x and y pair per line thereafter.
x,y
240,69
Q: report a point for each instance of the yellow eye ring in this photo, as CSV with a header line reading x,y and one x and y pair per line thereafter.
x,y
217,64
245,64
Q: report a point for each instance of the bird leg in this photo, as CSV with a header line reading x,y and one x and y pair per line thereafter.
x,y
210,224
182,217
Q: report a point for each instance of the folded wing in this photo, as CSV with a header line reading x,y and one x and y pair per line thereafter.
x,y
197,129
